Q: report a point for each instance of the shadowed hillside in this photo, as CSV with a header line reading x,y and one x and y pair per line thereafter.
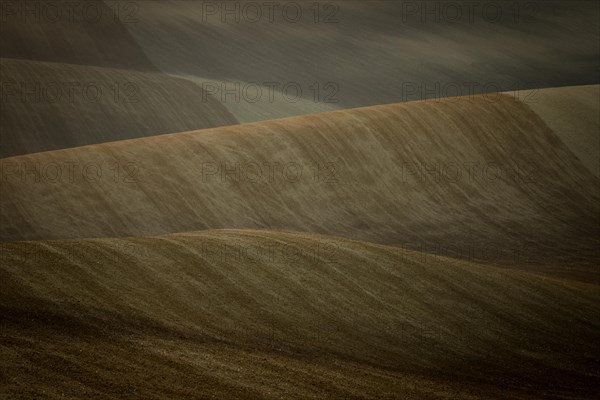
x,y
71,74
368,52
573,114
467,177
86,33
50,106
345,54
221,313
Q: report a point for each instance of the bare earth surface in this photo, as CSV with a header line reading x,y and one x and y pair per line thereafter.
x,y
264,314
193,207
75,81
107,104
373,52
338,55
463,177
573,113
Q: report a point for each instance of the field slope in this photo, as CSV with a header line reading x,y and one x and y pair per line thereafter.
x,y
71,74
262,314
374,52
465,177
51,106
250,70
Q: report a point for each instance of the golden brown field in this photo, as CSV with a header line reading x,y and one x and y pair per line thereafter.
x,y
357,231
271,314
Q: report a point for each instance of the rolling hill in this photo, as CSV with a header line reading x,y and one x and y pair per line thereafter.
x,y
368,52
463,177
299,200
51,106
262,314
71,74
204,58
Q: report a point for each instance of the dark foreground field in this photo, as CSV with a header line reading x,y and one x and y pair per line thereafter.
x,y
265,314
